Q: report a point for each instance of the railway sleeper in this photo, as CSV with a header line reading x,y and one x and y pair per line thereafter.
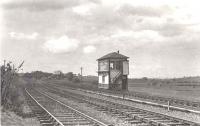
x,y
34,107
155,123
48,124
175,124
136,113
129,112
129,118
160,119
172,124
150,116
43,117
135,122
143,115
154,118
152,122
73,120
166,121
77,123
122,116
46,118
65,114
144,124
74,117
138,118
45,121
39,112
49,117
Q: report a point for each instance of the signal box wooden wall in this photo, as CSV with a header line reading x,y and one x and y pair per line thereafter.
x,y
113,70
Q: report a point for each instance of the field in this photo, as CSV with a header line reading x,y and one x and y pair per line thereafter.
x,y
183,88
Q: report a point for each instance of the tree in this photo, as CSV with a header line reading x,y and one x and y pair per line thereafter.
x,y
145,78
8,74
76,80
59,74
37,74
70,76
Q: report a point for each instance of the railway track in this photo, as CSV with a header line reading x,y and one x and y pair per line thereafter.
x,y
166,104
129,114
52,112
169,103
156,99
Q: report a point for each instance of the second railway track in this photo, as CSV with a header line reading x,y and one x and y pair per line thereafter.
x,y
172,103
129,114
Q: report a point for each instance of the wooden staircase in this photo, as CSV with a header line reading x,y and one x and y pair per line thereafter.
x,y
114,75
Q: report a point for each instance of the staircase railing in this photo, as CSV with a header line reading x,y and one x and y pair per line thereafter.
x,y
115,74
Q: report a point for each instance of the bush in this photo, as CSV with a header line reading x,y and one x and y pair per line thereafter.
x,y
76,80
154,83
69,76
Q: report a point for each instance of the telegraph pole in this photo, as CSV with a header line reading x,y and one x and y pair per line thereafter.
x,y
81,74
4,62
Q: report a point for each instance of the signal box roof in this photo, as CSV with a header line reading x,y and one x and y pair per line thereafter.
x,y
113,55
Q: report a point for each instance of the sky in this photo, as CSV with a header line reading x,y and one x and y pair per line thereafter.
x,y
161,37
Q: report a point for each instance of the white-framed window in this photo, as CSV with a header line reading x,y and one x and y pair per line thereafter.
x,y
111,65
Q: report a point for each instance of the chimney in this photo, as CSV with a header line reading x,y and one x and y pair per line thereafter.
x,y
118,51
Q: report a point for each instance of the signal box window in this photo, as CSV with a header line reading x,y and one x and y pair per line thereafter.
x,y
103,79
111,65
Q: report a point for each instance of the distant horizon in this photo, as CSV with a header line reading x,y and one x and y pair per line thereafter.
x,y
128,77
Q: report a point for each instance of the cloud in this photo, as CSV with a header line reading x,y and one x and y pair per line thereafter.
x,y
23,36
144,10
167,27
61,45
84,9
89,49
42,5
172,29
142,36
103,20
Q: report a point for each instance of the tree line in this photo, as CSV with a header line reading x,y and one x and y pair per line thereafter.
x,y
56,75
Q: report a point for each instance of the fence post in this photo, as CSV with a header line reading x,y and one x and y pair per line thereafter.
x,y
123,95
168,105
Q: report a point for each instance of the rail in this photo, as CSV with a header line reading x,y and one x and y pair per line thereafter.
x,y
95,120
44,108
